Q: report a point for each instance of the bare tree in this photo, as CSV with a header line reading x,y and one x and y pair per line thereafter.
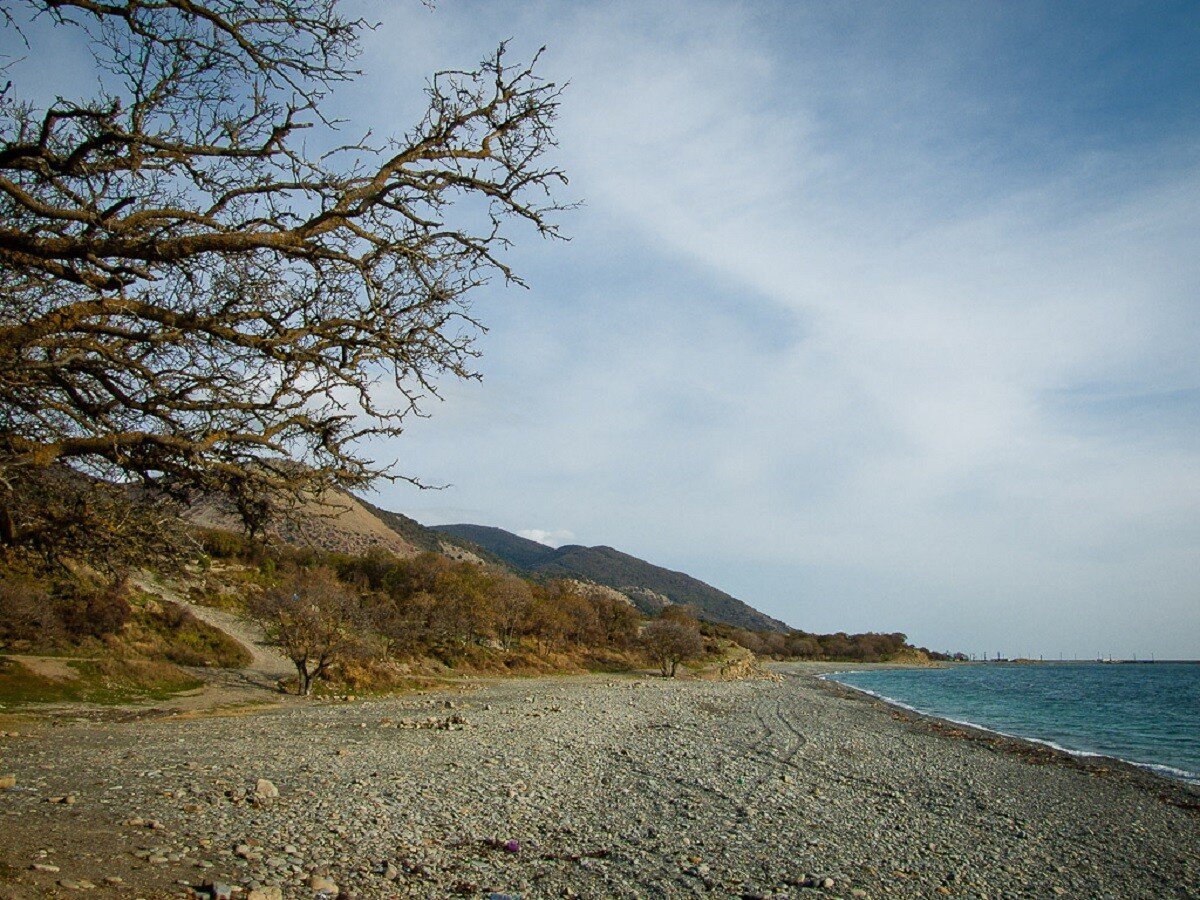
x,y
669,642
69,518
191,300
314,619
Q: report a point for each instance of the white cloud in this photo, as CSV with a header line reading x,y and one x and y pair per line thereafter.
x,y
812,348
549,538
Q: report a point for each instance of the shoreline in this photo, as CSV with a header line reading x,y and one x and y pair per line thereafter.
x,y
1186,793
1160,772
1157,770
601,785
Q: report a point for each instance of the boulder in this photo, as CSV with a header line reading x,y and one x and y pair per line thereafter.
x,y
265,790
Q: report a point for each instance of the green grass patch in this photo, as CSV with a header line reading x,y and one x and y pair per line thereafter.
x,y
101,681
162,630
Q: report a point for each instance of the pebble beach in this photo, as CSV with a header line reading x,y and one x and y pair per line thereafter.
x,y
596,786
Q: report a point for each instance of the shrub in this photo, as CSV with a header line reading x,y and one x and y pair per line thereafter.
x,y
26,611
669,642
94,612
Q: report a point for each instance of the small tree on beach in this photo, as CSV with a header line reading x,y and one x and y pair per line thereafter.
x,y
315,620
669,642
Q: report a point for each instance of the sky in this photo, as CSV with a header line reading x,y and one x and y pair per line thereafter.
x,y
877,316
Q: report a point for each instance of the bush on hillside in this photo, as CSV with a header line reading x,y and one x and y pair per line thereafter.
x,y
27,613
669,642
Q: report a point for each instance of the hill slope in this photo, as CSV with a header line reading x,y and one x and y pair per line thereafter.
x,y
635,577
521,552
343,523
430,540
335,521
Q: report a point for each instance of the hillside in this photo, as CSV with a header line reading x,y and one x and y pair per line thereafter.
x,y
347,524
635,577
336,522
521,552
427,539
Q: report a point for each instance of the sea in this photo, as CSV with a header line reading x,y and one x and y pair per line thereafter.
x,y
1145,713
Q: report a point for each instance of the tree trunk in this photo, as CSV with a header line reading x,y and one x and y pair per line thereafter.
x,y
8,528
304,680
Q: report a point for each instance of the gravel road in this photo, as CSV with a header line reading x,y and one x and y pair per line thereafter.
x,y
593,787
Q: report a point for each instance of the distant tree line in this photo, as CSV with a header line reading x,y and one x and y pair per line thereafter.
x,y
869,646
432,606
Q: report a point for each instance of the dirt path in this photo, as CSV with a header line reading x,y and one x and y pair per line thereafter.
x,y
265,659
53,668
255,683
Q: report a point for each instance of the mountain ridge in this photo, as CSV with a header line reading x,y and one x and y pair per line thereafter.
x,y
640,580
339,521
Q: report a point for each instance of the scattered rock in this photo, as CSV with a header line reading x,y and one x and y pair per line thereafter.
x,y
265,790
8,782
585,788
323,887
248,852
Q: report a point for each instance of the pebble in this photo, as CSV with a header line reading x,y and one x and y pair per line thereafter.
x,y
322,885
673,790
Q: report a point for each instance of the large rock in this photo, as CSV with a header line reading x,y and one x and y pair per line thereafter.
x,y
323,887
265,790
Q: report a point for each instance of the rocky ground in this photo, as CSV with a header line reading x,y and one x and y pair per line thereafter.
x,y
591,787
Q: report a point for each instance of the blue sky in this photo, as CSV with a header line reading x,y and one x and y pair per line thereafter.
x,y
878,316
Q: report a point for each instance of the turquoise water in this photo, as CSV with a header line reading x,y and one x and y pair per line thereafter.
x,y
1145,714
